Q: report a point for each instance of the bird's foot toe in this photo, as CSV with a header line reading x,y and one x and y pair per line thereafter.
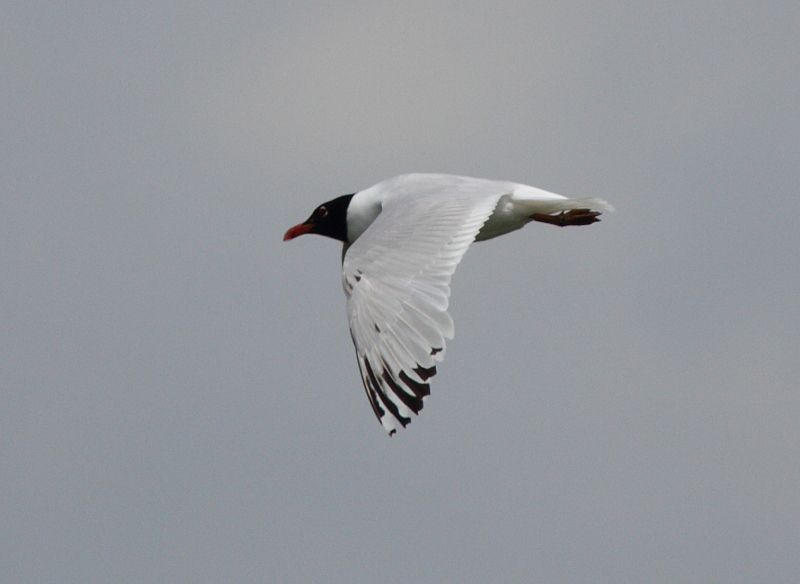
x,y
571,217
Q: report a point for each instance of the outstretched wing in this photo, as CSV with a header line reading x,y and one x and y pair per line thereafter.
x,y
396,277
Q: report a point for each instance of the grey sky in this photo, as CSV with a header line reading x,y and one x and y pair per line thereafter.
x,y
180,398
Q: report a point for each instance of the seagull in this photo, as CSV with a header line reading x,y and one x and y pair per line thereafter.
x,y
403,239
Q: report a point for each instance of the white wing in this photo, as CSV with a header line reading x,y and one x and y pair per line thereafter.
x,y
396,277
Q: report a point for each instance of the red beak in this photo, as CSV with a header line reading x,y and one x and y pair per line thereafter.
x,y
298,230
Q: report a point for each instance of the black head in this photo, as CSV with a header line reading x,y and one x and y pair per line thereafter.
x,y
329,219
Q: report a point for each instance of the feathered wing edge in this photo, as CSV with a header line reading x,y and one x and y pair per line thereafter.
x,y
396,388
409,391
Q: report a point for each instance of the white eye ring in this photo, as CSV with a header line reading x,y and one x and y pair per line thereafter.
x,y
323,211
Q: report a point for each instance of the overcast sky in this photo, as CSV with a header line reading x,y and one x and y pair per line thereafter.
x,y
180,401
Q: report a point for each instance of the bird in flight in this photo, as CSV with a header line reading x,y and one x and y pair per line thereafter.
x,y
403,239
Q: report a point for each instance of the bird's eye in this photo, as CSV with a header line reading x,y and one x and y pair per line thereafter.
x,y
322,211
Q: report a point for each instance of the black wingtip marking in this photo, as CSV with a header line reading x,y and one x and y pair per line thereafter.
x,y
419,389
373,401
434,351
413,402
425,374
389,404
